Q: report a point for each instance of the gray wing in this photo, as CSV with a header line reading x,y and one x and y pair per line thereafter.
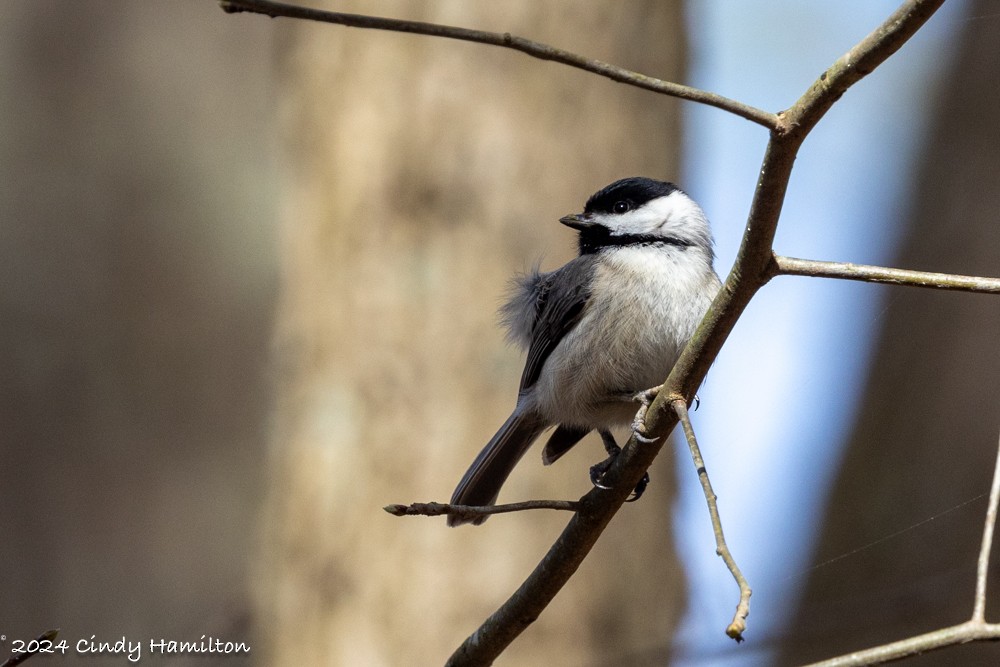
x,y
544,308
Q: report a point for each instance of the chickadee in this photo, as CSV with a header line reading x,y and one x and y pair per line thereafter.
x,y
602,329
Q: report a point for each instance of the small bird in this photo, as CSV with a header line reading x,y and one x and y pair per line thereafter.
x,y
603,330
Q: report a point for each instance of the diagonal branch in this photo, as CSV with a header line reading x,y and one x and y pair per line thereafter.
x,y
509,41
859,62
749,273
753,268
790,266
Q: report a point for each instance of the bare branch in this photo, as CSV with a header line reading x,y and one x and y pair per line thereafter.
x,y
749,273
739,625
879,274
474,511
938,639
596,509
859,62
509,41
982,568
975,629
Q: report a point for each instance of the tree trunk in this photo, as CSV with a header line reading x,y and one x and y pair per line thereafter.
x,y
421,174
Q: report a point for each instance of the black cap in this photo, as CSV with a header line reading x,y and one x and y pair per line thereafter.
x,y
636,191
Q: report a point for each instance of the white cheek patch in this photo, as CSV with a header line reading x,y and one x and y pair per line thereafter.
x,y
648,218
680,216
640,221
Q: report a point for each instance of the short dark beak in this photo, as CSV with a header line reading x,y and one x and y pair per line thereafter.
x,y
578,221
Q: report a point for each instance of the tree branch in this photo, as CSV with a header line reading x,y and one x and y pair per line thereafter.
x,y
879,274
749,273
858,63
938,639
975,629
509,41
474,511
982,568
739,625
754,266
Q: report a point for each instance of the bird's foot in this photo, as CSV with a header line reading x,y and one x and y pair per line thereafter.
x,y
598,470
645,399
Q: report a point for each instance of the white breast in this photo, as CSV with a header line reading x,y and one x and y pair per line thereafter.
x,y
645,303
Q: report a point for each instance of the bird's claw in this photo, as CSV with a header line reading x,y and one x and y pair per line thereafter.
x,y
639,489
638,430
645,399
596,475
598,470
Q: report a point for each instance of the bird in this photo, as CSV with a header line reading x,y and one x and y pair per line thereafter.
x,y
602,331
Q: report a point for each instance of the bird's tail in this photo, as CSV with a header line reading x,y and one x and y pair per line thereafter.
x,y
482,481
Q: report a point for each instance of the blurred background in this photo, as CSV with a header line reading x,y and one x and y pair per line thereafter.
x,y
138,276
248,275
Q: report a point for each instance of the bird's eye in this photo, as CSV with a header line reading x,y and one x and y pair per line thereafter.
x,y
622,207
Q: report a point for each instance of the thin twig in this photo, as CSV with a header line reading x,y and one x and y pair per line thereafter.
x,y
879,274
982,569
47,636
739,625
975,629
509,41
476,511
